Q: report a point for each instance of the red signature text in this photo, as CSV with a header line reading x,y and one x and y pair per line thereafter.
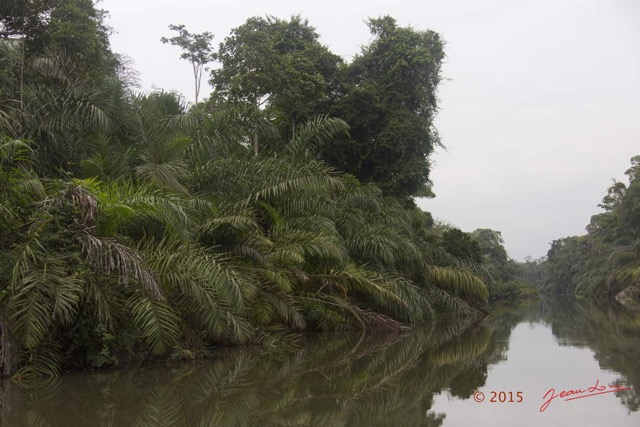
x,y
578,393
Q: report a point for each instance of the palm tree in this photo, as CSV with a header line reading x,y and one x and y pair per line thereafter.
x,y
174,250
333,245
59,110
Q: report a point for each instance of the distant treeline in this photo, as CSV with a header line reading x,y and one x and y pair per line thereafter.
x,y
606,260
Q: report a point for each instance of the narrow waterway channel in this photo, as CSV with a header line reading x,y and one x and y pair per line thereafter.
x,y
552,363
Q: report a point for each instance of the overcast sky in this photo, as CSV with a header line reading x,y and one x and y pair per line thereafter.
x,y
540,109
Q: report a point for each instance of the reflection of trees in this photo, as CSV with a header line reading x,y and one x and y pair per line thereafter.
x,y
346,379
610,330
497,329
339,380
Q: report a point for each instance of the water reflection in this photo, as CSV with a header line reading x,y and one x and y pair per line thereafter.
x,y
608,329
346,379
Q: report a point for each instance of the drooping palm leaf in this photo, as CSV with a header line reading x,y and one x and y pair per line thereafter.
x,y
459,282
313,134
157,323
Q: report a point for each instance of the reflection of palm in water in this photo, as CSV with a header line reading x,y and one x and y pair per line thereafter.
x,y
347,379
335,379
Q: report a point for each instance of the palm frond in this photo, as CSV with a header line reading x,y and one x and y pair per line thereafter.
x,y
157,323
239,222
175,262
108,160
458,282
101,297
281,303
373,243
124,202
295,247
164,175
206,285
280,278
14,151
10,121
338,313
41,363
379,287
44,297
313,134
310,177
111,257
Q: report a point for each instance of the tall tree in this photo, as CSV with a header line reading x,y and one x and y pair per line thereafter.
x,y
196,49
388,96
277,65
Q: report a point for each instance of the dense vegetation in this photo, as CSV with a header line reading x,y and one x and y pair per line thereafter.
x,y
341,379
132,226
607,259
506,279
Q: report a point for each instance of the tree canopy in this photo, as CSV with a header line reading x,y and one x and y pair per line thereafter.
x,y
388,95
462,245
278,65
19,18
74,28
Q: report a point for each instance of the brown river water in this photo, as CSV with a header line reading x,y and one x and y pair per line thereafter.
x,y
541,363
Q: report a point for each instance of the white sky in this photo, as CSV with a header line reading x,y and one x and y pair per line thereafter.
x,y
539,112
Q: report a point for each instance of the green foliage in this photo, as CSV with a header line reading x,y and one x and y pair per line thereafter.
x,y
58,110
388,96
499,266
276,64
506,278
607,259
10,66
18,17
462,245
534,271
133,228
512,290
73,27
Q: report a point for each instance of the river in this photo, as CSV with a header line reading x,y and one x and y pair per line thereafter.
x,y
547,362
